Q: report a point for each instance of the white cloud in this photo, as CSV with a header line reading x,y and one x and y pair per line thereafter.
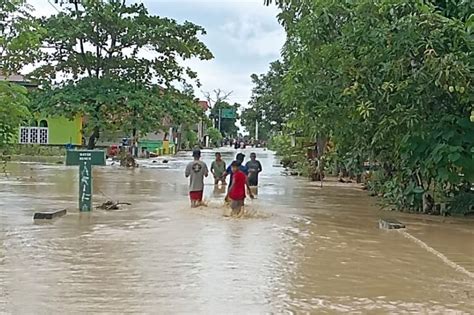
x,y
243,35
253,36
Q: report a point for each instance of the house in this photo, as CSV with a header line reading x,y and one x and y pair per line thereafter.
x,y
46,130
52,131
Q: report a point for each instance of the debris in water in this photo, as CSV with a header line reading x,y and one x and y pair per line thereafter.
x,y
128,161
112,205
390,224
49,215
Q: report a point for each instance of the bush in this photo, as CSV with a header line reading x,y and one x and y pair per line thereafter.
x,y
215,137
462,204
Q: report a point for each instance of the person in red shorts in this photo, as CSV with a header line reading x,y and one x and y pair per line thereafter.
x,y
196,171
236,192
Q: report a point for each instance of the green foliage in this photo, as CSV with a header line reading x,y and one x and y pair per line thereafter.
x,y
281,144
228,125
266,104
190,139
462,204
116,58
215,136
20,36
390,82
13,111
19,45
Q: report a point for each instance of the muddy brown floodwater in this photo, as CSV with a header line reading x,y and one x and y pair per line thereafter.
x,y
300,249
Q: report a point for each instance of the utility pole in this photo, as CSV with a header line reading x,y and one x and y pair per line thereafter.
x,y
256,129
220,117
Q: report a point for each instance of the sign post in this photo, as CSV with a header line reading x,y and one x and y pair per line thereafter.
x,y
85,160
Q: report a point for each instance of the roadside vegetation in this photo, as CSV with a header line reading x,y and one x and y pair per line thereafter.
x,y
380,88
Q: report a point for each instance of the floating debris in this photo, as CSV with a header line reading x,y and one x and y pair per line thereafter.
x,y
49,215
390,224
112,205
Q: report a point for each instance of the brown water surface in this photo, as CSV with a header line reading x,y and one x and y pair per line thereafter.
x,y
299,249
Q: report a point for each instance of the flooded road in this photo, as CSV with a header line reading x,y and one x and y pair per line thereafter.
x,y
301,249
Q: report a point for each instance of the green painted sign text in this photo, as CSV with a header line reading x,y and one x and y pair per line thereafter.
x,y
85,160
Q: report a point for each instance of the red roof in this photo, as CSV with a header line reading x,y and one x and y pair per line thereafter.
x,y
204,105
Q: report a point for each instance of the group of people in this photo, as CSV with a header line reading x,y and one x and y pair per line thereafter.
x,y
241,178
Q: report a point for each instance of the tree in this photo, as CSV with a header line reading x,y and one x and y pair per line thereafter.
x,y
228,127
120,64
13,110
215,136
218,102
388,81
19,45
266,103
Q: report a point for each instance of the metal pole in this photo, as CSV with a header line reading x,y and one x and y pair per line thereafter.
x,y
220,115
256,129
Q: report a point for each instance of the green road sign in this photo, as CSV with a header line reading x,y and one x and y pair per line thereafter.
x,y
85,160
228,113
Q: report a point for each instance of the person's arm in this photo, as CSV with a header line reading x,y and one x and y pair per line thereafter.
x,y
187,172
229,190
206,171
227,172
224,175
249,191
260,168
212,169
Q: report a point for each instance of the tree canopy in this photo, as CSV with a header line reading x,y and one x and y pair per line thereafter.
x,y
19,45
117,64
228,128
388,82
266,103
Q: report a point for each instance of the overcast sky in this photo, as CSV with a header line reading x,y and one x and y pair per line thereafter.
x,y
243,35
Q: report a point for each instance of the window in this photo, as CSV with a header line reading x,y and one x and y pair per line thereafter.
x,y
43,124
34,135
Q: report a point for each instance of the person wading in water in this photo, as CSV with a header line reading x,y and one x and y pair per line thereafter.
x,y
196,171
255,167
236,194
240,158
218,169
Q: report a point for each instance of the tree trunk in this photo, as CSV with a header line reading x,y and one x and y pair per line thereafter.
x,y
93,139
321,143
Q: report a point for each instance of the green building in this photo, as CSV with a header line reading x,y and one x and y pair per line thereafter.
x,y
52,131
47,130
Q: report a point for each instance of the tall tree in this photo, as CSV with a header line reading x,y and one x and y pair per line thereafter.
x,y
218,101
228,126
266,105
389,82
109,58
20,36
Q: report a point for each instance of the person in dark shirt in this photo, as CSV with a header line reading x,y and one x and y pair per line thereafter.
x,y
236,193
254,168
